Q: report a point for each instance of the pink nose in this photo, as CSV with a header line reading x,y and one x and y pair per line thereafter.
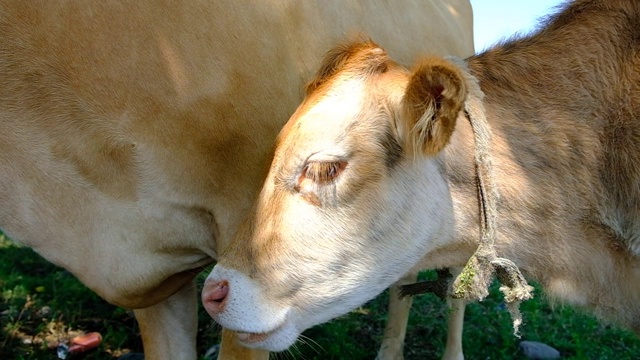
x,y
214,295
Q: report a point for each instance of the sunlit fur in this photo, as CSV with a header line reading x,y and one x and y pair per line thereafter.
x,y
562,105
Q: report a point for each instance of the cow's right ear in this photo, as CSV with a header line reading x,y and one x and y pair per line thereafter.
x,y
432,101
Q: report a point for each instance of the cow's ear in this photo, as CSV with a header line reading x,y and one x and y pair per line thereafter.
x,y
432,101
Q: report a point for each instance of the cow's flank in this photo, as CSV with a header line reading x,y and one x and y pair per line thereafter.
x,y
562,105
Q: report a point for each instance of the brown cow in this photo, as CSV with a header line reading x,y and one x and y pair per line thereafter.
x,y
136,134
374,174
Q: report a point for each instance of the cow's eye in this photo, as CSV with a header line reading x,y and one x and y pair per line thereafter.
x,y
315,175
323,172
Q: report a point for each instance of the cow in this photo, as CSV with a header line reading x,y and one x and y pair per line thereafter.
x,y
136,134
378,171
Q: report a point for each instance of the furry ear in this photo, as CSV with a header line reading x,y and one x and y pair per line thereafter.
x,y
363,55
432,100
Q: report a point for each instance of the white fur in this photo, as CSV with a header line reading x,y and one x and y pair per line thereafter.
x,y
246,310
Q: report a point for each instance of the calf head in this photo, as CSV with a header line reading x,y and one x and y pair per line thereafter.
x,y
354,198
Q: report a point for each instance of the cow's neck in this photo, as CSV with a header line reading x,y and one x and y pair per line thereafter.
x,y
579,261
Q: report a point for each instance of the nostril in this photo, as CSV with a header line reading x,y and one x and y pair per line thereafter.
x,y
220,291
214,295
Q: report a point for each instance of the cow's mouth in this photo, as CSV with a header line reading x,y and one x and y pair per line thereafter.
x,y
278,339
249,338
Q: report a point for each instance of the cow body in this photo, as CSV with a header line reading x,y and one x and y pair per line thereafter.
x,y
136,133
390,182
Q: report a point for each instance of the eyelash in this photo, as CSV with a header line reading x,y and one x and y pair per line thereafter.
x,y
323,172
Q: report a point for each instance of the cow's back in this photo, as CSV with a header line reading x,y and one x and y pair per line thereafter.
x,y
136,133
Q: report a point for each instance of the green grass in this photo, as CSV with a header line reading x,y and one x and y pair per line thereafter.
x,y
40,303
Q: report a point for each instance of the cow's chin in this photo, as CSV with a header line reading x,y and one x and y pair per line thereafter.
x,y
298,320
279,339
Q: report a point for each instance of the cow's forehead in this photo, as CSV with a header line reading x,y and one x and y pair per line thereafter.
x,y
327,118
337,108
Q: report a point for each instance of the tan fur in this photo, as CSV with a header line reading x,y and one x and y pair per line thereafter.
x,y
135,134
432,101
562,105
351,55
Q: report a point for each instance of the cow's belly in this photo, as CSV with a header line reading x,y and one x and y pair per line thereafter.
x,y
131,254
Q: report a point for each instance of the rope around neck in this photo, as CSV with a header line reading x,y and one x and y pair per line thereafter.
x,y
475,278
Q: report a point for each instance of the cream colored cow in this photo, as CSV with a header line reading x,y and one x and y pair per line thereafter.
x,y
381,168
136,133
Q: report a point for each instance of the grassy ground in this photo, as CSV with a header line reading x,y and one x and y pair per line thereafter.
x,y
41,304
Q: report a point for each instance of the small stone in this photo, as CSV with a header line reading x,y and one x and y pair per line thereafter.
x,y
538,351
44,312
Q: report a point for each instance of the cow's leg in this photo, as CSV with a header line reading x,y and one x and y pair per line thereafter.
x,y
169,328
230,350
397,318
453,350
